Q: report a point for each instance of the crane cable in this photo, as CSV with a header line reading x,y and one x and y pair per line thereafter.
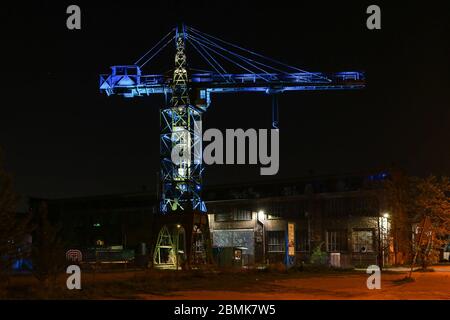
x,y
227,58
247,60
254,53
156,45
160,49
209,62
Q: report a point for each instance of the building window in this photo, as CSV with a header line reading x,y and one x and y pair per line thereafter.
x,y
275,241
242,215
219,217
234,215
302,240
275,212
336,240
334,208
273,216
363,240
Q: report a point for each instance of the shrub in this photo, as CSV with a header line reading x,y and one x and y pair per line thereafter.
x,y
319,257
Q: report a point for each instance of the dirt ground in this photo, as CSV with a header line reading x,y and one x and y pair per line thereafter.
x,y
429,285
241,285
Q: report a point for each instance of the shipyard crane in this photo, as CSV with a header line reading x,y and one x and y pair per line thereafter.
x,y
190,91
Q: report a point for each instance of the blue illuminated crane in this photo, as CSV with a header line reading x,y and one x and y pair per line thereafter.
x,y
190,92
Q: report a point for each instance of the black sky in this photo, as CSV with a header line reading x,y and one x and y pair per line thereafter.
x,y
60,137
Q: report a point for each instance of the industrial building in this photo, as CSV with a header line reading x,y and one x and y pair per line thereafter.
x,y
343,219
336,220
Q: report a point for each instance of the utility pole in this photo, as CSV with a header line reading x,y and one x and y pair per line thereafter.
x,y
380,245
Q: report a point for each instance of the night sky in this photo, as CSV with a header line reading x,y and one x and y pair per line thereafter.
x,y
60,137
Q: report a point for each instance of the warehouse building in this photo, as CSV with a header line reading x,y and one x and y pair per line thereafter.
x,y
339,220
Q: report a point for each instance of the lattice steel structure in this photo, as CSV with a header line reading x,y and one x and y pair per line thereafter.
x,y
181,139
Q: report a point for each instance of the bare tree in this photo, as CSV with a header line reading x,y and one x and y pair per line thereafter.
x,y
432,203
399,198
47,251
421,220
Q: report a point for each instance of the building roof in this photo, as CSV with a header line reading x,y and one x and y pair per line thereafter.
x,y
312,184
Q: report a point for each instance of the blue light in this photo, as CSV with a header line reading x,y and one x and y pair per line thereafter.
x,y
129,84
22,264
378,176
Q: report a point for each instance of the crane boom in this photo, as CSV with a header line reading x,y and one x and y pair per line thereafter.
x,y
129,82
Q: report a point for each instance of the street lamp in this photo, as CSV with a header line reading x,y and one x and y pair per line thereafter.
x,y
261,215
260,221
382,236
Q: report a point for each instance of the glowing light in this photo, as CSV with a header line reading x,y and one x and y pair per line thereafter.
x,y
261,215
386,215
